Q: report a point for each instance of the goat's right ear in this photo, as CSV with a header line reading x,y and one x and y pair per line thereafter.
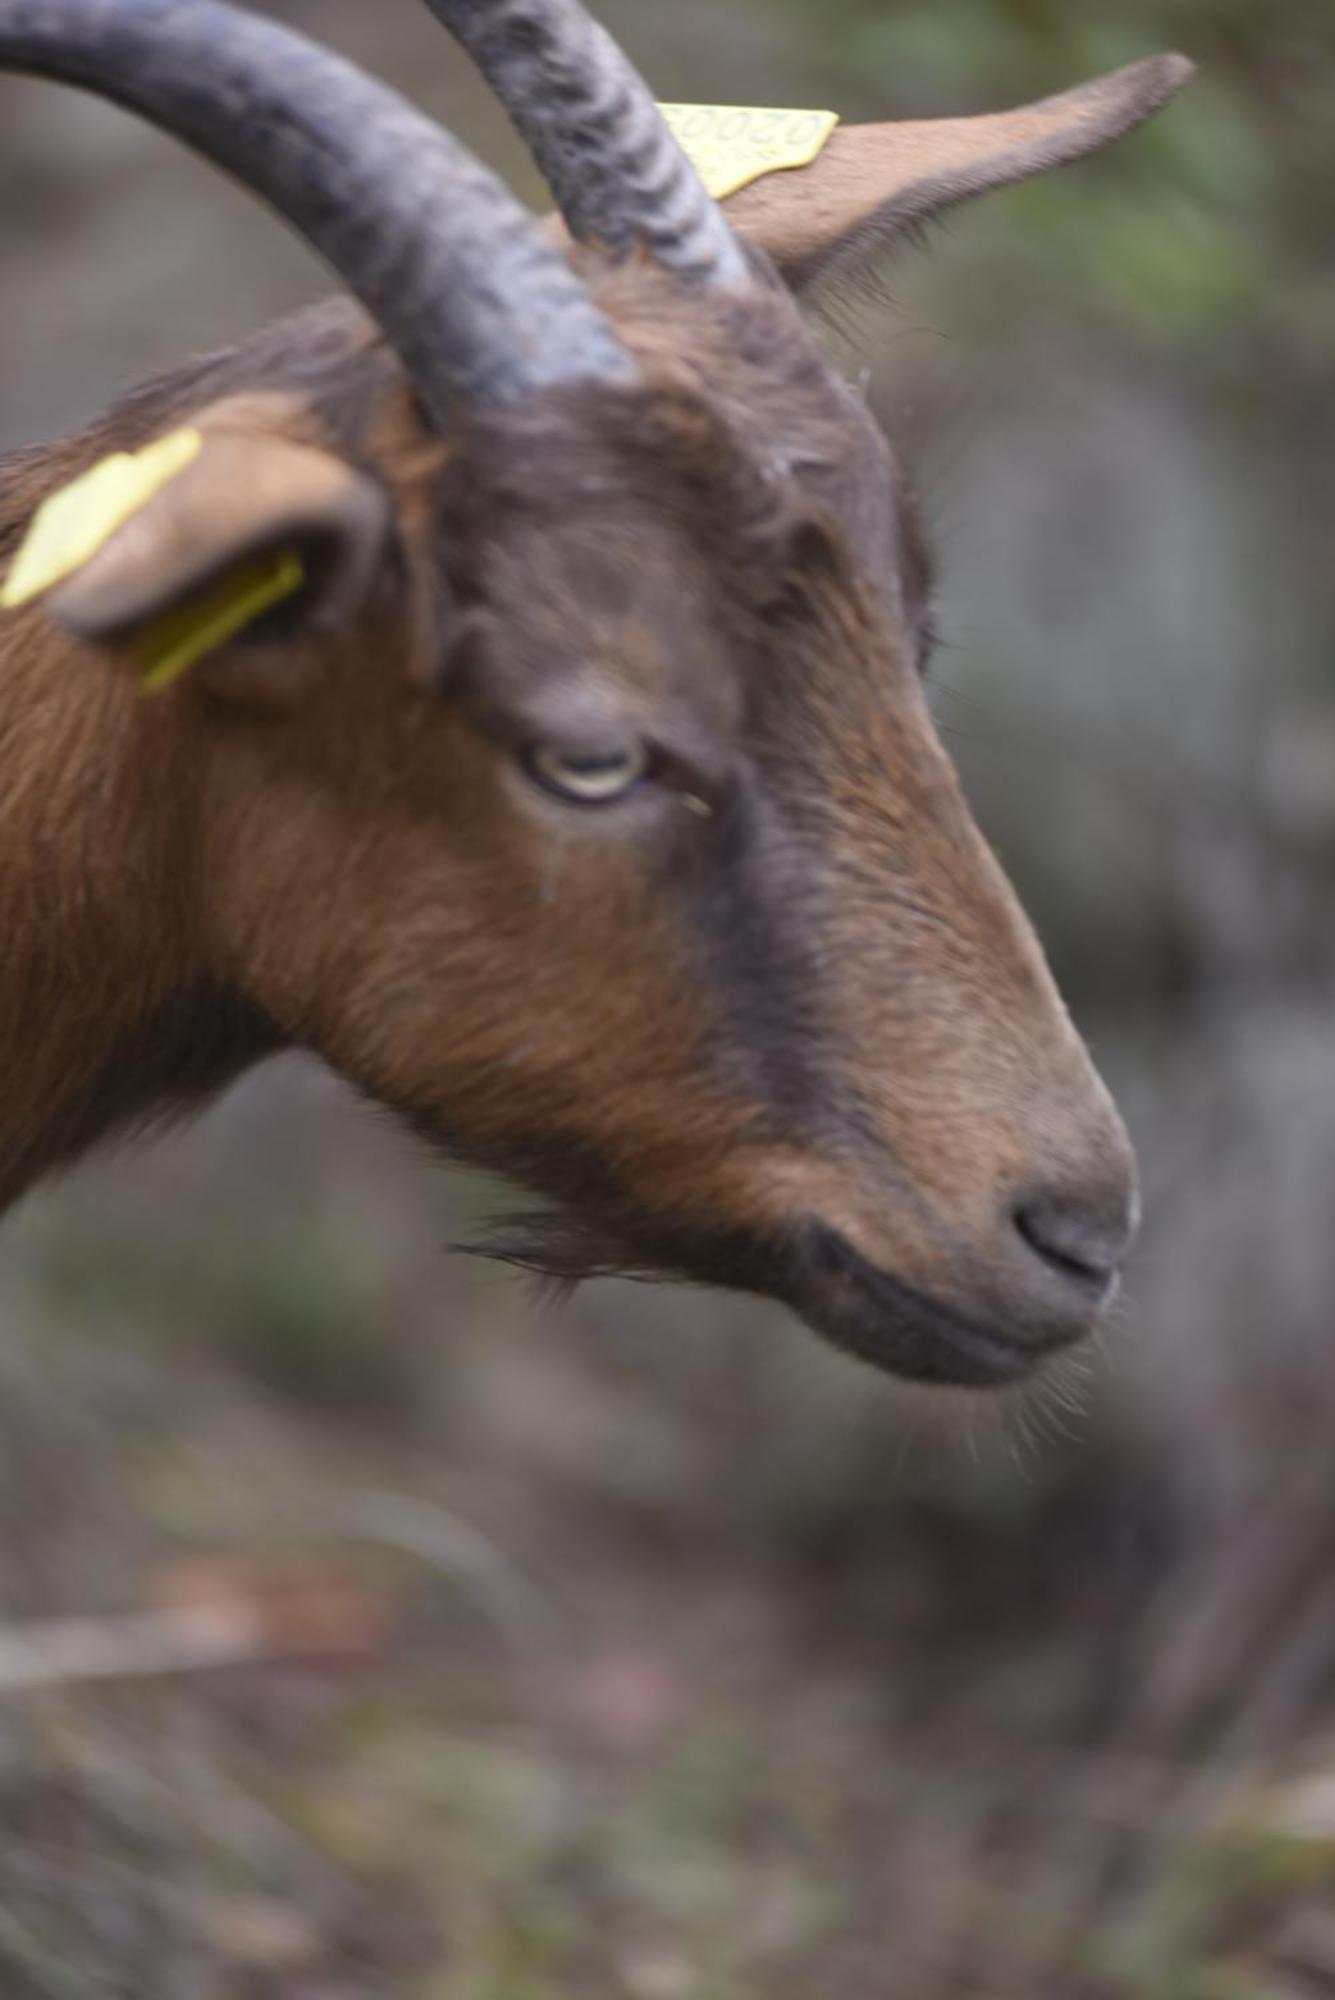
x,y
231,526
870,183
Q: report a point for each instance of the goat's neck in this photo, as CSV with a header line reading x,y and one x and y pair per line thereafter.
x,y
104,1018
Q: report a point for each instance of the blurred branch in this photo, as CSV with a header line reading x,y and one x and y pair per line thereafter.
x,y
525,1620
223,1619
72,1650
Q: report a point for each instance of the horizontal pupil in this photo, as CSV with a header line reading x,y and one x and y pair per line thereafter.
x,y
594,767
591,777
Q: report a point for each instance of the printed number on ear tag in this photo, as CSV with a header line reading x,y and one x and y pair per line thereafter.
x,y
732,145
71,526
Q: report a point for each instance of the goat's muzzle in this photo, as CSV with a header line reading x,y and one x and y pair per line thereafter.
x,y
1034,1279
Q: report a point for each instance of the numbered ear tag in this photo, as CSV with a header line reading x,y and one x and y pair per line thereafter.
x,y
732,145
172,644
69,528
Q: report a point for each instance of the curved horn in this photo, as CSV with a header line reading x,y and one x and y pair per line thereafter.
x,y
590,120
453,269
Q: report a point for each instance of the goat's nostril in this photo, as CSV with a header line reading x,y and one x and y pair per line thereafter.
x,y
1075,1239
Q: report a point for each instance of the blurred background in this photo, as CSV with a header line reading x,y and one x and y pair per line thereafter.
x,y
432,1643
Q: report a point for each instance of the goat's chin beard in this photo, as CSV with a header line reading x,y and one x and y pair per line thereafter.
x,y
868,1313
563,1249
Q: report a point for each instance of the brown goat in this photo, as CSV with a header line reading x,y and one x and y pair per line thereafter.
x,y
582,804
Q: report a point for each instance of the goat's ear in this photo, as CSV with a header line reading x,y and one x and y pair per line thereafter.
x,y
254,532
832,218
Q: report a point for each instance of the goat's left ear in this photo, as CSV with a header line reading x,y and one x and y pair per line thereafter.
x,y
832,218
252,531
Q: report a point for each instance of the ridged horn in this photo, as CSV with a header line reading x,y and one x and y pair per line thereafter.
x,y
591,123
454,270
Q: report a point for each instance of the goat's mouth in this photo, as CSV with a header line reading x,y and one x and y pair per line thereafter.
x,y
925,1337
854,1304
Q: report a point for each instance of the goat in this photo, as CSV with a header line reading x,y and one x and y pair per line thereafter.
x,y
573,791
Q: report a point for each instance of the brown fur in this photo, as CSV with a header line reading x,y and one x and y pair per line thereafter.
x,y
776,1020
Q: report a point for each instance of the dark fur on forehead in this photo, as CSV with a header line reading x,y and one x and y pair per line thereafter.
x,y
773,419
737,434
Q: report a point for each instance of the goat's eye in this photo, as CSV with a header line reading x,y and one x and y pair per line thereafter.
x,y
589,777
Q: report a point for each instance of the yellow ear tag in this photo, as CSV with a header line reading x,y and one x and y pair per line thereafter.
x,y
172,644
68,529
732,145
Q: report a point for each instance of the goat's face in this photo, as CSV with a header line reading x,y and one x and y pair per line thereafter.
x,y
631,864
585,806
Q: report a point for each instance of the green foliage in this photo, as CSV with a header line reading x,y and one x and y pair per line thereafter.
x,y
1213,215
